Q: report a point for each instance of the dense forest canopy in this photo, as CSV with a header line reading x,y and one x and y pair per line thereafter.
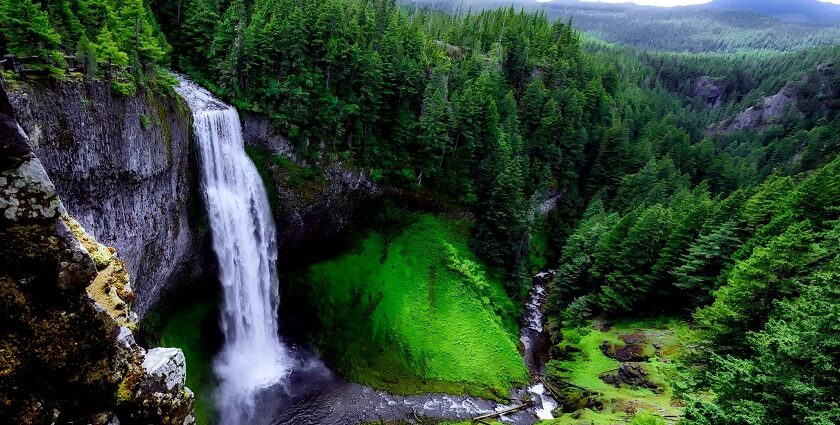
x,y
101,36
491,111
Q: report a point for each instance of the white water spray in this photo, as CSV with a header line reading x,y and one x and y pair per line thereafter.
x,y
245,243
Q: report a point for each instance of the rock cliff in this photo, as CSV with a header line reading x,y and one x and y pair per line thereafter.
x,y
122,167
760,116
816,95
67,352
311,205
709,91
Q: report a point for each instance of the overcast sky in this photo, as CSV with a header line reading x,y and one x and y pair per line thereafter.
x,y
668,3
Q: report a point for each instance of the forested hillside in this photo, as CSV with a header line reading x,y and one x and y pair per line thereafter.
x,y
807,11
664,208
736,26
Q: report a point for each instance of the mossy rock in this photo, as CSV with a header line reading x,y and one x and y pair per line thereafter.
x,y
634,347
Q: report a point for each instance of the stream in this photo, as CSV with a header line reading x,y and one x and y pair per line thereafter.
x,y
313,394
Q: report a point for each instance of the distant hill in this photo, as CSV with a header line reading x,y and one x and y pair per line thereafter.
x,y
721,26
803,11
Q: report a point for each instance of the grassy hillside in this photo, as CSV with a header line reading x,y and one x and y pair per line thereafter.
x,y
412,311
592,355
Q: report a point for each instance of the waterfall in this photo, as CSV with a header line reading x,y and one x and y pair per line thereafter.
x,y
244,241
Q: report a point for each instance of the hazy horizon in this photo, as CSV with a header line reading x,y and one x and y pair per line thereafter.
x,y
664,3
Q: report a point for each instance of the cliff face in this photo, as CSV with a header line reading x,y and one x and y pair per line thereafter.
x,y
705,88
759,117
310,206
121,166
816,95
67,352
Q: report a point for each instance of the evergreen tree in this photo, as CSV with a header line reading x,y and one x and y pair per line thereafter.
x,y
771,273
500,219
793,373
28,32
609,164
108,52
629,283
86,56
197,33
706,259
434,131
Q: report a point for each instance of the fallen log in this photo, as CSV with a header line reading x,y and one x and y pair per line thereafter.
x,y
550,388
567,383
513,409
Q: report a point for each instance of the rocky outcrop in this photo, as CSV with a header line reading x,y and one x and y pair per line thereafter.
x,y
311,205
121,166
816,95
760,116
706,89
257,131
67,352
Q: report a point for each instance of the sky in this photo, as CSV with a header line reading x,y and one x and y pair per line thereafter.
x,y
669,3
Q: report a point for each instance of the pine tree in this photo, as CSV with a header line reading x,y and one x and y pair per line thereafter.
x,y
500,219
28,32
107,50
65,22
86,56
707,257
609,164
434,131
772,272
197,31
629,284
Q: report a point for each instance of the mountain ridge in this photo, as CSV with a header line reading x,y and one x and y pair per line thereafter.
x,y
801,11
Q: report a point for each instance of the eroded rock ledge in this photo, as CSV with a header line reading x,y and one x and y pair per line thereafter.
x,y
67,351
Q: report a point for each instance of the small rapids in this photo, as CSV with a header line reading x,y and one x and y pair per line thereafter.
x,y
252,358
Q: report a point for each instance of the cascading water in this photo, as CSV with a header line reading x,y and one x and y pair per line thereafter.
x,y
245,243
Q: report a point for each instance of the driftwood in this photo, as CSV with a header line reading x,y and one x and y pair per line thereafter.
x,y
550,388
481,418
567,383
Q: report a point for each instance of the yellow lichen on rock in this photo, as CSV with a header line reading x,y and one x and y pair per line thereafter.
x,y
111,289
100,254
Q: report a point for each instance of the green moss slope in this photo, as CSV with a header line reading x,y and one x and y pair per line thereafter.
x,y
414,312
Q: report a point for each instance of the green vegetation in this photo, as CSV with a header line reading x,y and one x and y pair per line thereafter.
x,y
185,328
664,209
282,172
583,360
424,101
488,112
682,29
541,252
413,312
105,36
